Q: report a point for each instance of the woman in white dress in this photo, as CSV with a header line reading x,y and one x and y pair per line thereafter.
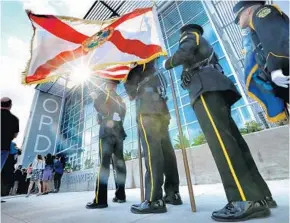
x,y
37,171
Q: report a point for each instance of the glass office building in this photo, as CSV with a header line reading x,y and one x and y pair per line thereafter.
x,y
77,132
78,136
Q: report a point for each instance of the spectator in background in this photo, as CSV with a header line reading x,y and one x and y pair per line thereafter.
x,y
37,169
9,128
14,151
17,179
9,131
58,168
47,173
28,176
7,181
51,182
22,184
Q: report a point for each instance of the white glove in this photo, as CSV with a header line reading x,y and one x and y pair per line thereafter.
x,y
163,64
116,117
280,79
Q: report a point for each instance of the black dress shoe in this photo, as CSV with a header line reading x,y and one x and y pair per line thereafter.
x,y
271,202
117,200
175,199
147,207
242,211
94,205
3,201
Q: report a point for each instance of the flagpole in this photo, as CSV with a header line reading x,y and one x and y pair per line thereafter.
x,y
183,149
61,111
140,167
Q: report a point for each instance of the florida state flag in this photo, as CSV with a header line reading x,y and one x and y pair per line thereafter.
x,y
108,48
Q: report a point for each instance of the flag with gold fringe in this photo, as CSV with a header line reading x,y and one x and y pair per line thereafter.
x,y
107,48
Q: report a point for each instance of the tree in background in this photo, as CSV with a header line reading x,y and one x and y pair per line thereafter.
x,y
68,168
199,140
127,155
250,127
89,164
184,139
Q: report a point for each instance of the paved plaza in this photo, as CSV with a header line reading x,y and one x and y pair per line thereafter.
x,y
70,207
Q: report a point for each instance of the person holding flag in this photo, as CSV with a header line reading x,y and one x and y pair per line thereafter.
x,y
270,86
110,106
258,85
148,87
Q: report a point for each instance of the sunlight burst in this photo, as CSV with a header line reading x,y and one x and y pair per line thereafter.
x,y
80,74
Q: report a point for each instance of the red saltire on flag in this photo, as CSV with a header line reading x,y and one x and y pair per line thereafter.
x,y
108,48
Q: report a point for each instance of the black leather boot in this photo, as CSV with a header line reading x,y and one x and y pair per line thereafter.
x,y
147,207
94,205
174,199
117,200
242,211
271,202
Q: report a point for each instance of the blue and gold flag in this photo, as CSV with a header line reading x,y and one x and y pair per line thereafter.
x,y
258,89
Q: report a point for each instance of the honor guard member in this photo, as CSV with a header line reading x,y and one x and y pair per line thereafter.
x,y
270,36
113,160
148,88
111,113
212,95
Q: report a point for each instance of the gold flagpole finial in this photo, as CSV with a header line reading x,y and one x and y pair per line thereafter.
x,y
154,3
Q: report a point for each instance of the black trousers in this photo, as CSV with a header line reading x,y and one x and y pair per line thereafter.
x,y
111,146
159,157
239,173
7,175
57,180
282,93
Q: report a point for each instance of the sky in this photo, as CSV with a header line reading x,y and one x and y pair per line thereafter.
x,y
16,33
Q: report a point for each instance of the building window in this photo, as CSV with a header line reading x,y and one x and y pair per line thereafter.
x,y
189,114
218,50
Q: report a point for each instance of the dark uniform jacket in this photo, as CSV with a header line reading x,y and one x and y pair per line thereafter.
x,y
194,49
9,127
143,86
270,27
107,103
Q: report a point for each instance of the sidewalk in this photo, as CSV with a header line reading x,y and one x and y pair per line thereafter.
x,y
70,207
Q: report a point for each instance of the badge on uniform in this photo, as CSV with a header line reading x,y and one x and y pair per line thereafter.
x,y
262,13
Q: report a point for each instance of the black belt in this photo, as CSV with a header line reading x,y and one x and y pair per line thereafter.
x,y
215,66
189,72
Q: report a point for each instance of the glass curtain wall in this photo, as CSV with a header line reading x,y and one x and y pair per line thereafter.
x,y
79,128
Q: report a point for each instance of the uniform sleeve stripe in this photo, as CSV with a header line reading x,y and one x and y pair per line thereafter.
x,y
251,24
108,95
197,38
277,7
171,61
275,55
182,39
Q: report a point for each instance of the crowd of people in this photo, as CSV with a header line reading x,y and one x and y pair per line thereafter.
x,y
41,177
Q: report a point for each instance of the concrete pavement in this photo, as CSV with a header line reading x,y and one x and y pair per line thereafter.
x,y
70,207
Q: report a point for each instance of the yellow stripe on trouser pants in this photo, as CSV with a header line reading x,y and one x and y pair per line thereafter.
x,y
98,183
149,157
224,150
